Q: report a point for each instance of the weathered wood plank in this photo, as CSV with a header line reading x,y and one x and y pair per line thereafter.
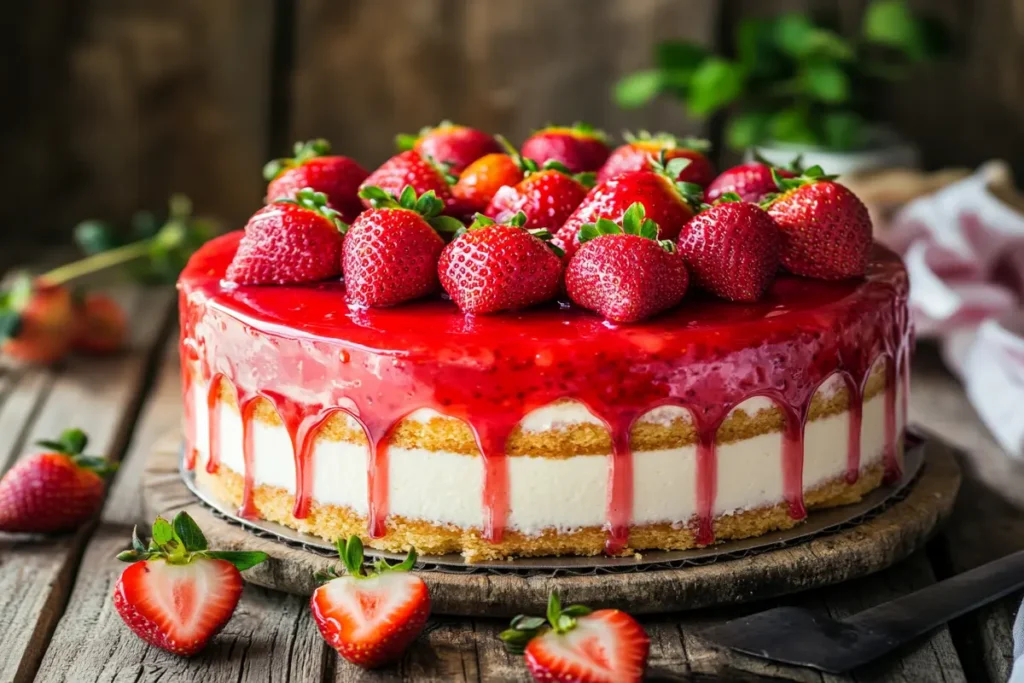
x,y
125,102
270,638
101,395
506,67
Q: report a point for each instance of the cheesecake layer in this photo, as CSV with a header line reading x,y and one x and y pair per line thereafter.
x,y
545,423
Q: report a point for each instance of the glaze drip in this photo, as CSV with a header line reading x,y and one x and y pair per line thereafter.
x,y
302,350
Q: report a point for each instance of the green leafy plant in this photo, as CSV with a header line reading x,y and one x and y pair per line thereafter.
x,y
153,248
793,79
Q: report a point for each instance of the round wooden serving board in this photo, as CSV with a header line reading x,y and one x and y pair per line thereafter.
x,y
831,557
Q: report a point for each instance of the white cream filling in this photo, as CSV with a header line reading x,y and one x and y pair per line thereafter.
x,y
544,493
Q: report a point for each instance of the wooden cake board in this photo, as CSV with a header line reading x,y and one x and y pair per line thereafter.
x,y
832,557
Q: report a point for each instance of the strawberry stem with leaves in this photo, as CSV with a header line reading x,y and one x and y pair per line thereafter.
x,y
525,628
351,553
181,542
72,443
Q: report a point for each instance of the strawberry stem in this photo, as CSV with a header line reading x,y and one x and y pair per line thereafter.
x,y
97,262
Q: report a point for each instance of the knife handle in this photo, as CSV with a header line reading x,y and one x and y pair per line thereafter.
x,y
912,615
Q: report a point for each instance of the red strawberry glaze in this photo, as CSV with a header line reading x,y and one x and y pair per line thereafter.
x,y
302,349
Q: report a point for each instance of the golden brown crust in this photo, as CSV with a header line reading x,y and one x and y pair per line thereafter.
x,y
331,522
455,436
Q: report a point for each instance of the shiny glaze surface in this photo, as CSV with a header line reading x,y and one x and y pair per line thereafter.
x,y
310,355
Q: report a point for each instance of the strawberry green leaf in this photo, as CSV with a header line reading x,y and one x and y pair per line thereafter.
x,y
676,166
74,440
132,555
100,466
189,533
576,611
587,179
519,220
446,225
242,559
481,221
354,556
310,199
303,152
404,141
408,200
376,196
639,88
633,218
163,532
524,622
10,324
728,198
554,608
137,544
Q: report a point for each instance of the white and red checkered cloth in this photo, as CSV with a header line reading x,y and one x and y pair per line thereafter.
x,y
964,251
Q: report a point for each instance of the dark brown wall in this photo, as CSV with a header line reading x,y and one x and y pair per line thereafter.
x,y
112,104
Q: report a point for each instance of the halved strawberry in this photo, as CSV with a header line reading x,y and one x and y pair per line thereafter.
x,y
579,645
411,168
391,251
370,617
826,230
579,147
751,181
668,202
290,241
626,273
731,249
500,266
449,144
100,324
639,149
36,320
177,594
337,177
57,490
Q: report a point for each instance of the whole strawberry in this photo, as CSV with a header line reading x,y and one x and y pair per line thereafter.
x,y
336,176
391,251
731,249
100,324
411,169
546,195
177,594
370,618
482,179
752,181
500,267
449,144
825,228
576,644
56,490
625,272
36,321
290,241
641,148
579,147
666,201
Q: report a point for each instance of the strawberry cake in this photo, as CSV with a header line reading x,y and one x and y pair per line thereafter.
x,y
469,386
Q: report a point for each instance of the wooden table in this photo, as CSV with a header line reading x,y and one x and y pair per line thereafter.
x,y
57,622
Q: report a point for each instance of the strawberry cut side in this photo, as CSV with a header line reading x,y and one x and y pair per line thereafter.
x,y
178,608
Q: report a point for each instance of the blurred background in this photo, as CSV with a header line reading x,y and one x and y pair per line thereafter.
x,y
114,104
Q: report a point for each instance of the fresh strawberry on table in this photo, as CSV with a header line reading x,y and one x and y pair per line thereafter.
x,y
482,179
641,148
37,320
411,168
579,147
177,593
449,144
625,272
290,241
495,267
576,644
826,230
752,181
391,251
311,166
667,201
731,249
370,617
58,489
100,324
547,195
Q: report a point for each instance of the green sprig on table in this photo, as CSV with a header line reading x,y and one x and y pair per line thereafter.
x,y
792,79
